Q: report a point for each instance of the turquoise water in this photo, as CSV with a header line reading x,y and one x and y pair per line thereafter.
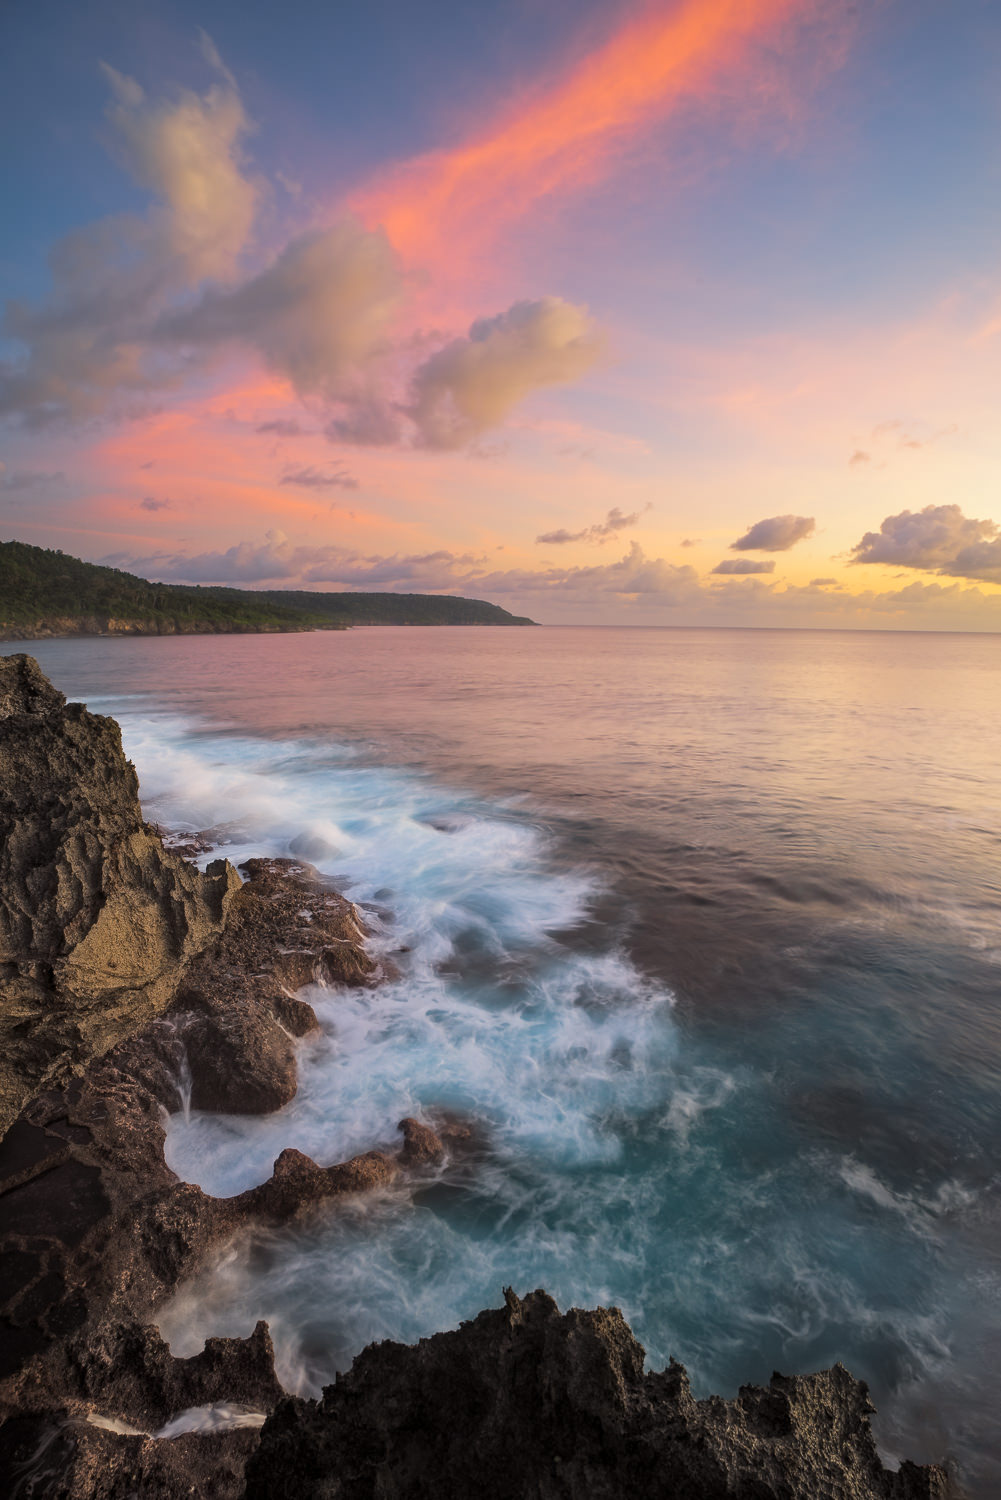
x,y
700,927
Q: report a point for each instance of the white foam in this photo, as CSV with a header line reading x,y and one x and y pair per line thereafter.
x,y
220,1416
602,1178
491,1015
116,1425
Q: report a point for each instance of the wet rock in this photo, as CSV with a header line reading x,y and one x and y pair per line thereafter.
x,y
421,1144
240,1061
311,846
238,1016
98,1232
66,1457
525,1401
298,1183
128,1370
97,919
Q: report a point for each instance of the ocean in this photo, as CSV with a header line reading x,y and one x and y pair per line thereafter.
x,y
700,928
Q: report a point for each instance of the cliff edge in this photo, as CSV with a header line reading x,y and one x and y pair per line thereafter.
x,y
97,919
527,1402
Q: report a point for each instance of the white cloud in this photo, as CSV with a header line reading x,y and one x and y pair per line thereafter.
x,y
139,303
633,587
90,344
318,314
28,479
308,477
473,383
939,539
600,532
277,560
979,560
635,574
733,565
775,534
187,152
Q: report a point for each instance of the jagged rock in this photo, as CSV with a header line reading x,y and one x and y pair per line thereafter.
x,y
421,1144
127,1369
298,1184
97,919
285,928
65,1457
97,1231
526,1402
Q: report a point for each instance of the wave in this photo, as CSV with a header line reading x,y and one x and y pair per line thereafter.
x,y
623,1157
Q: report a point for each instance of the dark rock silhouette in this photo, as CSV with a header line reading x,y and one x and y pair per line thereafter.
x,y
526,1402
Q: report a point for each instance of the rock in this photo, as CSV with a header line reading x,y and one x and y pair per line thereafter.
x,y
421,1145
526,1402
298,1184
311,846
97,919
285,928
97,1231
71,1459
242,1061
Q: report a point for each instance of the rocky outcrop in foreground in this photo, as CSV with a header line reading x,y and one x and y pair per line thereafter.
x,y
526,1402
97,919
98,1231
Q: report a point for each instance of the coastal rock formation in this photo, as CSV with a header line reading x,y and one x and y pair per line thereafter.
x,y
526,1402
133,985
97,919
97,1230
285,928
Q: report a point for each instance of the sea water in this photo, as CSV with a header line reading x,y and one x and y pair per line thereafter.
x,y
699,930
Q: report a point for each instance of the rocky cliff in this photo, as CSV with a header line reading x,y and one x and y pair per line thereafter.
x,y
97,919
526,1402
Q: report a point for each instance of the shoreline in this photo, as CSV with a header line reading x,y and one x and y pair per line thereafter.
x,y
105,1231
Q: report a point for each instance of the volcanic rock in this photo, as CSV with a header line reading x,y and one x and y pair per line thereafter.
x,y
526,1402
238,1018
421,1144
297,1184
97,919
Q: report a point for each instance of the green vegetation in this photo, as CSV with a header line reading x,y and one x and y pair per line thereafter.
x,y
396,609
46,593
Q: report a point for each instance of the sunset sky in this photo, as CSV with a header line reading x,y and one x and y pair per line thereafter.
x,y
676,313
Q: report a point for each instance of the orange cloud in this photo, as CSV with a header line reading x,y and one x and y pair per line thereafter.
x,y
460,199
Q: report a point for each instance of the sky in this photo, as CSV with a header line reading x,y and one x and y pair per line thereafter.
x,y
677,313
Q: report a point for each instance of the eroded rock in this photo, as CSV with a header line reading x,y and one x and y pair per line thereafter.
x,y
97,919
526,1402
238,1015
98,1231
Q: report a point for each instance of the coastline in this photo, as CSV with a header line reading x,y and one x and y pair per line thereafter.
x,y
90,1182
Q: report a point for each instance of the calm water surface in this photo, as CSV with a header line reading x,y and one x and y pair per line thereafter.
x,y
701,926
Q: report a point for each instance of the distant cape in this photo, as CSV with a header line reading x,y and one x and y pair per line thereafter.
x,y
47,593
